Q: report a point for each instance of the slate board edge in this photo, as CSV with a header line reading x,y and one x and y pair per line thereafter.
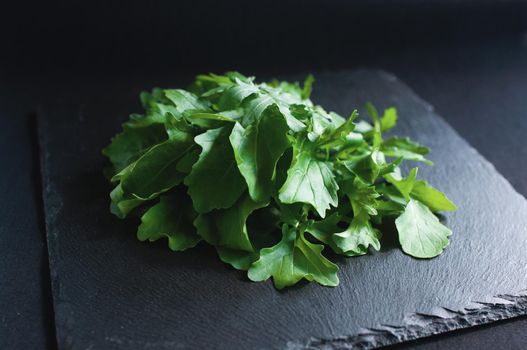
x,y
423,325
52,205
416,325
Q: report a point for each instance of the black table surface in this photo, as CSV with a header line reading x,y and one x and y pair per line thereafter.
x,y
478,88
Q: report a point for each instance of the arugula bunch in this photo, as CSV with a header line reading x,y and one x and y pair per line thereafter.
x,y
269,178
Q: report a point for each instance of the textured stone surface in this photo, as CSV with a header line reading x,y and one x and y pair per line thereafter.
x,y
26,318
111,291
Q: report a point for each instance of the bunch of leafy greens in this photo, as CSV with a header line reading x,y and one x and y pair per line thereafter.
x,y
269,179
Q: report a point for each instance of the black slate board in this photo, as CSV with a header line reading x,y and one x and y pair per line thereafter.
x,y
111,291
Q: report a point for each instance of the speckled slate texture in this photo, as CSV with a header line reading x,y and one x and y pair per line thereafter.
x,y
114,292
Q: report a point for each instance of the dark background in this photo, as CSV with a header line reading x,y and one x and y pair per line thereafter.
x,y
468,58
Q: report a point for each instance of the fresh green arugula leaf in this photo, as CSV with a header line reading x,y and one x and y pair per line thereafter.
x,y
291,260
363,197
308,86
233,96
403,185
310,181
227,227
129,145
171,218
157,170
215,181
324,231
431,197
239,259
420,233
358,237
405,148
388,119
184,100
257,149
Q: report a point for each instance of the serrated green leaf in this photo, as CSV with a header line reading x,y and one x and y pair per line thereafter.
x,y
420,233
403,185
310,181
257,149
172,218
215,181
291,260
363,197
358,237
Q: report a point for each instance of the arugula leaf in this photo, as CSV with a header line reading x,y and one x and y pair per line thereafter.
x,y
155,172
239,259
310,181
170,218
227,227
214,181
233,96
231,160
362,196
308,86
129,145
291,260
405,148
257,149
158,170
403,185
324,231
388,119
431,197
420,233
184,100
358,237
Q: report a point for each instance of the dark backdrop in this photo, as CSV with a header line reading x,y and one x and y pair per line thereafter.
x,y
101,35
468,58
